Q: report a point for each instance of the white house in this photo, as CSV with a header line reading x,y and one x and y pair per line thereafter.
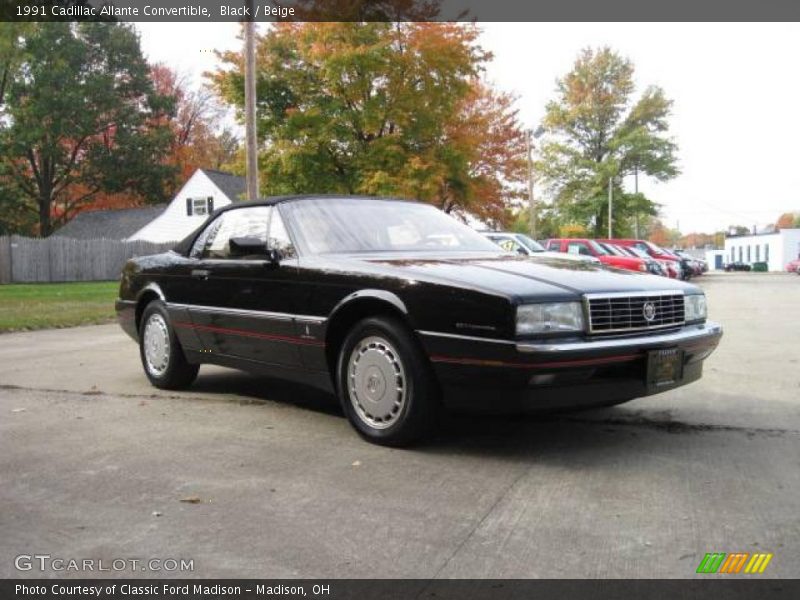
x,y
774,248
205,191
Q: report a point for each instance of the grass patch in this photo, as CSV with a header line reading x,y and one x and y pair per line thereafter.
x,y
26,306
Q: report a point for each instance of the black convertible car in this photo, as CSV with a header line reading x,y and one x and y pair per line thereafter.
x,y
401,309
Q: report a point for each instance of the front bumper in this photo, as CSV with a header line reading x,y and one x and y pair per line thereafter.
x,y
479,373
126,317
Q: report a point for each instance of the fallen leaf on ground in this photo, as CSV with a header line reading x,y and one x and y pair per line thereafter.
x,y
17,410
357,463
191,500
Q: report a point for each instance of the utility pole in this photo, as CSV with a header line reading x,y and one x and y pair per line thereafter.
x,y
610,203
636,192
251,140
530,136
532,205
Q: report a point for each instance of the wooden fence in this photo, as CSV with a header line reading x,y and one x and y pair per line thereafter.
x,y
30,260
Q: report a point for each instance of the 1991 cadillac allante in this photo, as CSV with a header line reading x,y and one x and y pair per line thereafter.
x,y
401,310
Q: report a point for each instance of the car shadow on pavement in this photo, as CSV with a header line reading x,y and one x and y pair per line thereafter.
x,y
245,387
498,435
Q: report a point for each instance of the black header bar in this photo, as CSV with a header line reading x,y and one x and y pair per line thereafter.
x,y
402,10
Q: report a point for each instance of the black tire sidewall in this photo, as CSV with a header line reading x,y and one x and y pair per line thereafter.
x,y
419,413
178,373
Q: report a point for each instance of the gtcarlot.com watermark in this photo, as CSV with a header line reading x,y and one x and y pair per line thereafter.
x,y
56,564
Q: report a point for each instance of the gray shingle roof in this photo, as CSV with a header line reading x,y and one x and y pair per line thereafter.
x,y
233,186
112,224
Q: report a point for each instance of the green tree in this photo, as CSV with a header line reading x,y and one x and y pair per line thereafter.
x,y
597,131
382,109
80,117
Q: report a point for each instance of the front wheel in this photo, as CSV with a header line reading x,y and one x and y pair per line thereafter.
x,y
386,386
162,356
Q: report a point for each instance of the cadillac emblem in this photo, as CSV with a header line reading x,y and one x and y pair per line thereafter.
x,y
649,311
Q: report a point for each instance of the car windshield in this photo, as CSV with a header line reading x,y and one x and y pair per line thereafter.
x,y
637,251
529,243
348,225
656,249
598,249
613,250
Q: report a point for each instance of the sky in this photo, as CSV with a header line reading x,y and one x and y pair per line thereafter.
x,y
735,88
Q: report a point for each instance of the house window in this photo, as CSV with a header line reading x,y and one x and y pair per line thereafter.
x,y
758,253
748,253
740,253
766,252
199,206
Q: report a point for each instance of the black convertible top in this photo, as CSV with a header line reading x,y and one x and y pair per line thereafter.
x,y
185,245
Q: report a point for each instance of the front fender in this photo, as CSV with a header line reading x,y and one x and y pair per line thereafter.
x,y
370,294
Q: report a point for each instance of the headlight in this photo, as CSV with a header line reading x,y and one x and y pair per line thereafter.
x,y
551,317
694,307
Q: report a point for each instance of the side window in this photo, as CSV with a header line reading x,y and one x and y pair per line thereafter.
x,y
237,223
578,248
554,245
202,239
278,236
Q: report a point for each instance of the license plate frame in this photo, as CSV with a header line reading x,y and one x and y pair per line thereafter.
x,y
664,369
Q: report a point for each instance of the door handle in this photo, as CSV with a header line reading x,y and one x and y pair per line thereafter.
x,y
200,273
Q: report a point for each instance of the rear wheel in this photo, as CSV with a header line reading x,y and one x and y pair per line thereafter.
x,y
162,356
386,386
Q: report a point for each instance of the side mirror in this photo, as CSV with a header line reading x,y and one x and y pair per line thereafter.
x,y
274,256
247,246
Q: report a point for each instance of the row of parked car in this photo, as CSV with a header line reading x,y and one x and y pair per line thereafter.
x,y
631,254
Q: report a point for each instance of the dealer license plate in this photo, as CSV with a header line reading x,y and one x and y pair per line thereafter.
x,y
664,368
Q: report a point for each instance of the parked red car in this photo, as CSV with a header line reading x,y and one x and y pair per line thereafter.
x,y
587,247
671,262
793,266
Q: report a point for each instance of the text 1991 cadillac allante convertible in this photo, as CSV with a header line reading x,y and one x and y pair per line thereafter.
x,y
401,309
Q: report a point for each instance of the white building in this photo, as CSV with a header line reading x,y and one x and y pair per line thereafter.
x,y
716,259
205,191
776,248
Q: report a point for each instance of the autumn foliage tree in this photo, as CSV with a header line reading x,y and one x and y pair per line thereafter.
x,y
195,142
381,109
788,220
597,131
79,119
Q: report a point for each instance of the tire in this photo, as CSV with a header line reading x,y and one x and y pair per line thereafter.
x,y
162,356
379,351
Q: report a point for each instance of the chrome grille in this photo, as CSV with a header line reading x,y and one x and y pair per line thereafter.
x,y
615,313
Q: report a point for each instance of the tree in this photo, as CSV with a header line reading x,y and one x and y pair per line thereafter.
x,y
195,142
787,220
367,10
661,235
82,116
596,132
382,109
10,53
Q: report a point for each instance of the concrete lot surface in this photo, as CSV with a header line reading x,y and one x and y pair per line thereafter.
x,y
249,477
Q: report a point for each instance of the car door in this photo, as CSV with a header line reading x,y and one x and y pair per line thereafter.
x,y
243,298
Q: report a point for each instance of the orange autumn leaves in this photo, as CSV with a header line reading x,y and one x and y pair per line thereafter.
x,y
382,109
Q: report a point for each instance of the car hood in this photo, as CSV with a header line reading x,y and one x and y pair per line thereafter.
x,y
521,277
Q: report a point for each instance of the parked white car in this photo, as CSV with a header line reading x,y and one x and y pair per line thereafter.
x,y
527,246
